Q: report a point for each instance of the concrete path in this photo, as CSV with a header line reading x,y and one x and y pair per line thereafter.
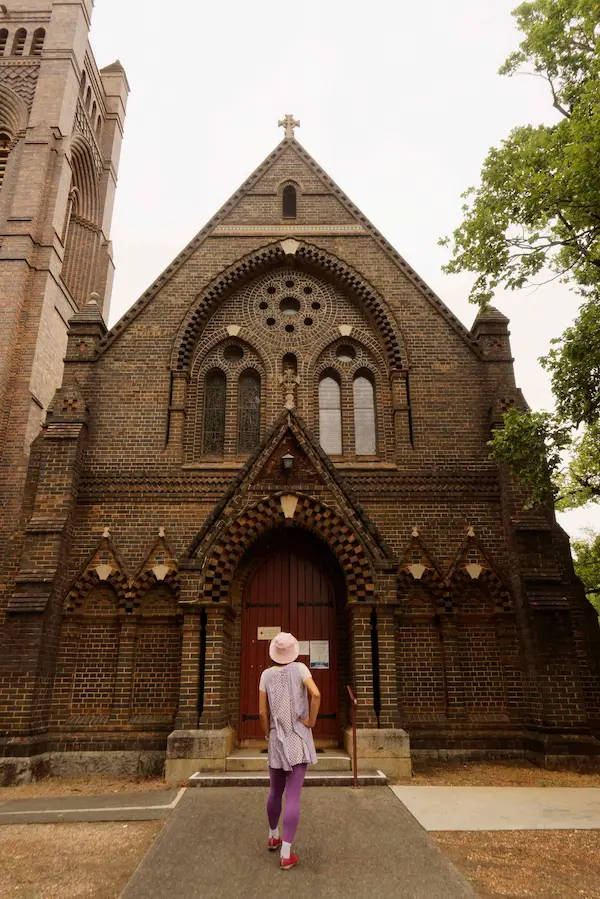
x,y
117,807
503,808
357,844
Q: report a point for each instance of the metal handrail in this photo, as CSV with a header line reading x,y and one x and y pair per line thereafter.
x,y
354,702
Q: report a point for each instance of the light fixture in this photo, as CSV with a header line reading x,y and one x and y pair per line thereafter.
x,y
287,462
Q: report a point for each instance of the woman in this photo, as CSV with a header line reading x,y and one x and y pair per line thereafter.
x,y
287,724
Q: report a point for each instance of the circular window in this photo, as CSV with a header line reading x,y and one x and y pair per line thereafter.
x,y
316,306
234,353
289,283
290,306
271,289
263,305
308,289
270,322
346,353
308,322
289,328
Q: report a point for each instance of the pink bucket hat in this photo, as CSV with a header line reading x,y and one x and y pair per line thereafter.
x,y
284,648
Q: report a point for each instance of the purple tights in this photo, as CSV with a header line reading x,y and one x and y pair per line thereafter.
x,y
291,782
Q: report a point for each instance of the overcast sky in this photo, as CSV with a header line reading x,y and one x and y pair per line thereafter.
x,y
398,102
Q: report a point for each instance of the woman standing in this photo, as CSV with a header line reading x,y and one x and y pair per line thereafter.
x,y
287,723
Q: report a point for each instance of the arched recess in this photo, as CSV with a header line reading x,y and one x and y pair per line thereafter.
x,y
82,226
86,666
309,258
13,121
223,548
157,661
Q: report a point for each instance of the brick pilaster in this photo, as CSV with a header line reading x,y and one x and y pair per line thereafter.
x,y
219,633
125,667
362,663
388,682
189,684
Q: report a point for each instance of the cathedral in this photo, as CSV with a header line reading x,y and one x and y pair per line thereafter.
x,y
287,432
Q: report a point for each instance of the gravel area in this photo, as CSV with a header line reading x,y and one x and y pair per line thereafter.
x,y
559,864
510,773
82,786
71,861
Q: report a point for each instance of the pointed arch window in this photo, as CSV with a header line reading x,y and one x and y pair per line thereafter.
x,y
215,399
330,415
5,142
248,412
289,201
37,45
19,42
365,435
3,40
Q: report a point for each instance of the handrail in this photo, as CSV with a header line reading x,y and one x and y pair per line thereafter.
x,y
354,702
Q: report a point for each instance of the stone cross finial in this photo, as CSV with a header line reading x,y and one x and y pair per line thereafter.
x,y
289,382
106,534
161,532
415,532
289,123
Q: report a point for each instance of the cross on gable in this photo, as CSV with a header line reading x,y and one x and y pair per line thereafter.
x,y
69,404
289,123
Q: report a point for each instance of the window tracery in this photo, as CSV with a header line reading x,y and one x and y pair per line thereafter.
x,y
215,399
330,415
248,412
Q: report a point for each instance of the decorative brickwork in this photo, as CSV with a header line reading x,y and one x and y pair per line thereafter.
x,y
203,415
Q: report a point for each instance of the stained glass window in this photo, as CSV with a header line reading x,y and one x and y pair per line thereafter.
x,y
215,395
330,416
248,412
364,417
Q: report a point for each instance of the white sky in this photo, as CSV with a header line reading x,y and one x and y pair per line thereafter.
x,y
398,102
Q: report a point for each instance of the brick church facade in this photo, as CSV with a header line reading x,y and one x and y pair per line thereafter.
x,y
287,430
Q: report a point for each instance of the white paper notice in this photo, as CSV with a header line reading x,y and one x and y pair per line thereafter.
x,y
304,647
319,653
268,633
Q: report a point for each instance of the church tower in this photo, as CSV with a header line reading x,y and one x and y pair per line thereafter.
x,y
61,128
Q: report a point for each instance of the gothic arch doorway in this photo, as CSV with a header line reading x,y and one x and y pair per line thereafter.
x,y
294,583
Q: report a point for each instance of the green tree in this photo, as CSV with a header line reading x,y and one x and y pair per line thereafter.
x,y
587,566
536,213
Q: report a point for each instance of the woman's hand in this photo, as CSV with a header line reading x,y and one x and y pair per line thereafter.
x,y
307,722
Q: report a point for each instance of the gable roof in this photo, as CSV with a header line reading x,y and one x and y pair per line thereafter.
x,y
349,506
231,203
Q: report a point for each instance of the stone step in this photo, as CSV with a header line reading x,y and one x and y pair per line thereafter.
x,y
314,778
254,760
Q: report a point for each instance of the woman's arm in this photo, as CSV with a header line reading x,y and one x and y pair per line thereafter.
x,y
263,712
315,703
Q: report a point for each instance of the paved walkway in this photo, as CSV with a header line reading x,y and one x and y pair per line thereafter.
x,y
351,843
117,807
503,808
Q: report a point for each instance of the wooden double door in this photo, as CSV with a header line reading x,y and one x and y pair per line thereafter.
x,y
290,590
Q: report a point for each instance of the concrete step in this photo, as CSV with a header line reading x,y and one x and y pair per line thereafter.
x,y
254,760
314,778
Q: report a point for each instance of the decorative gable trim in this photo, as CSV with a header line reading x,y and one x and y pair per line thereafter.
x,y
333,188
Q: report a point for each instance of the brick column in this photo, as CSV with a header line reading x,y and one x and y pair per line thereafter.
x,y
189,685
177,411
401,410
362,663
390,707
219,633
121,707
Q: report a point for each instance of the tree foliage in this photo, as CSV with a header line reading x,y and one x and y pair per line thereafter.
x,y
537,210
587,566
538,204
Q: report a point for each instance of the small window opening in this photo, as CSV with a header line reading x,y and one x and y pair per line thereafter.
x,y
3,40
5,142
94,111
289,363
88,99
83,85
99,126
37,44
330,416
289,202
19,44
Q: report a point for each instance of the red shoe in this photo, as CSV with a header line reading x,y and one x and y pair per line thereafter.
x,y
291,862
274,843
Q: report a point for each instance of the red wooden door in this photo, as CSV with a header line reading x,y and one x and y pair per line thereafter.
x,y
290,591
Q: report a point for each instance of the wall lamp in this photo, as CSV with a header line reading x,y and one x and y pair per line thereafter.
x,y
287,462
